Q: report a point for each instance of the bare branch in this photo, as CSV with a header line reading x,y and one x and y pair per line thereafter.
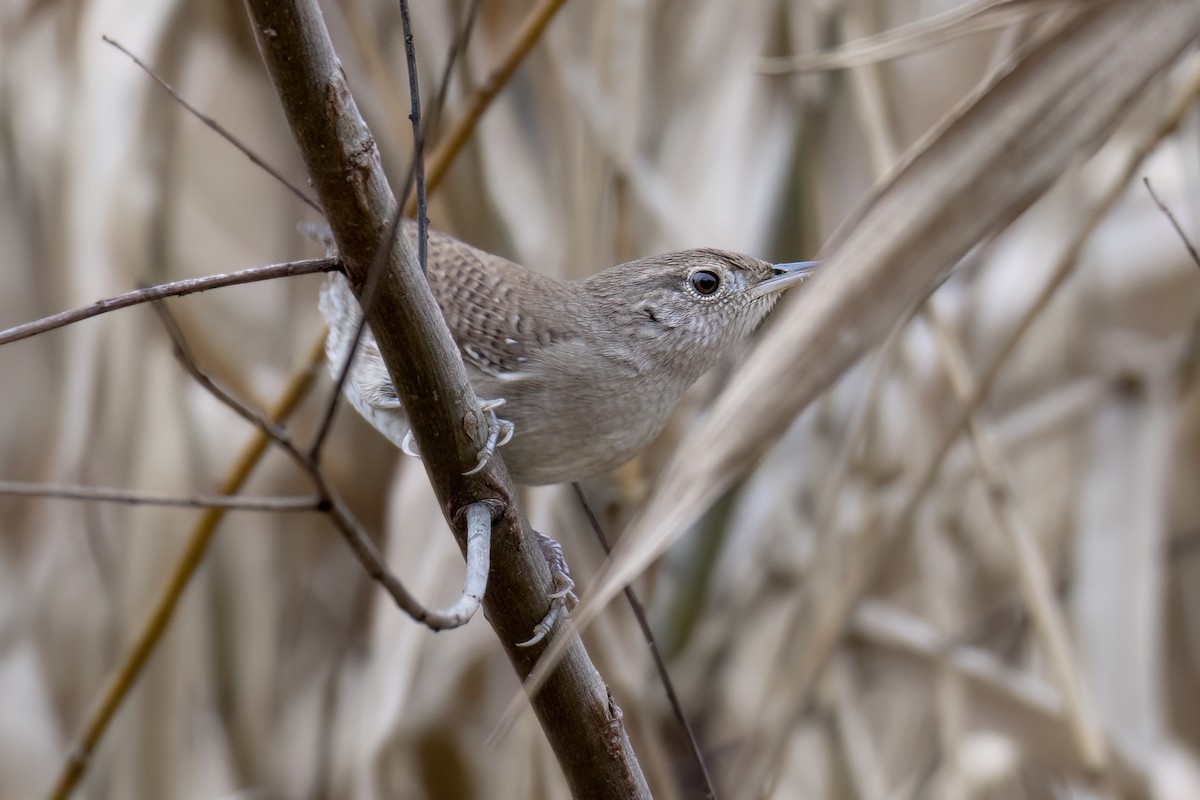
x,y
106,494
220,130
175,289
575,707
414,92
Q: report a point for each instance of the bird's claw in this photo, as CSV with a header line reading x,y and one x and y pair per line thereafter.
x,y
562,599
409,445
500,432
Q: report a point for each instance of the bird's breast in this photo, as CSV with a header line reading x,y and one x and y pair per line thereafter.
x,y
577,414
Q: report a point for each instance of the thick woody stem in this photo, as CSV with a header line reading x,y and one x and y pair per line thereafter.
x,y
576,711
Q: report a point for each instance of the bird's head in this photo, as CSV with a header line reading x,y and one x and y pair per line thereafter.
x,y
692,308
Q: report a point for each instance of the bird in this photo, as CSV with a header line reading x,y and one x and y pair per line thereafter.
x,y
584,372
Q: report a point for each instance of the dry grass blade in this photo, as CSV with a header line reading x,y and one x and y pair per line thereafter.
x,y
806,658
997,696
1123,536
124,675
1034,578
978,17
988,162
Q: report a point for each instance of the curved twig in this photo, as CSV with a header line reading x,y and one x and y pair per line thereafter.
x,y
339,513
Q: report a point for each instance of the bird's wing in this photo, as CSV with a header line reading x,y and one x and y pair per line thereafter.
x,y
484,299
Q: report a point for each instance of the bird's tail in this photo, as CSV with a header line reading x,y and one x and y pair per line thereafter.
x,y
368,387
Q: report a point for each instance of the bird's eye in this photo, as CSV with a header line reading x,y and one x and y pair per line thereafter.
x,y
704,281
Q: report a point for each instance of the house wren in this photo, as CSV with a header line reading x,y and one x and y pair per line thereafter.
x,y
588,370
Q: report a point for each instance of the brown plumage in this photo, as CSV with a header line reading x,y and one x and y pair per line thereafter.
x,y
589,370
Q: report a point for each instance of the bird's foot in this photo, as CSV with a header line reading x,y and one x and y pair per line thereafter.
x,y
500,432
563,598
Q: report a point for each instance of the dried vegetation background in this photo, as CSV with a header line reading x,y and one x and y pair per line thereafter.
x,y
633,128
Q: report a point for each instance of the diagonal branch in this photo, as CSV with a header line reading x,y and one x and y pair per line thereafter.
x,y
575,708
133,661
415,179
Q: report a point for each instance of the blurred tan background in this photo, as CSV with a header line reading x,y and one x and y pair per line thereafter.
x,y
634,127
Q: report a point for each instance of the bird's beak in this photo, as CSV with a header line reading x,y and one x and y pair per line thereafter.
x,y
786,276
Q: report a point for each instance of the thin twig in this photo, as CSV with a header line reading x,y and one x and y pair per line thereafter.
x,y
183,353
1174,222
529,34
414,92
175,289
664,676
107,494
221,130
